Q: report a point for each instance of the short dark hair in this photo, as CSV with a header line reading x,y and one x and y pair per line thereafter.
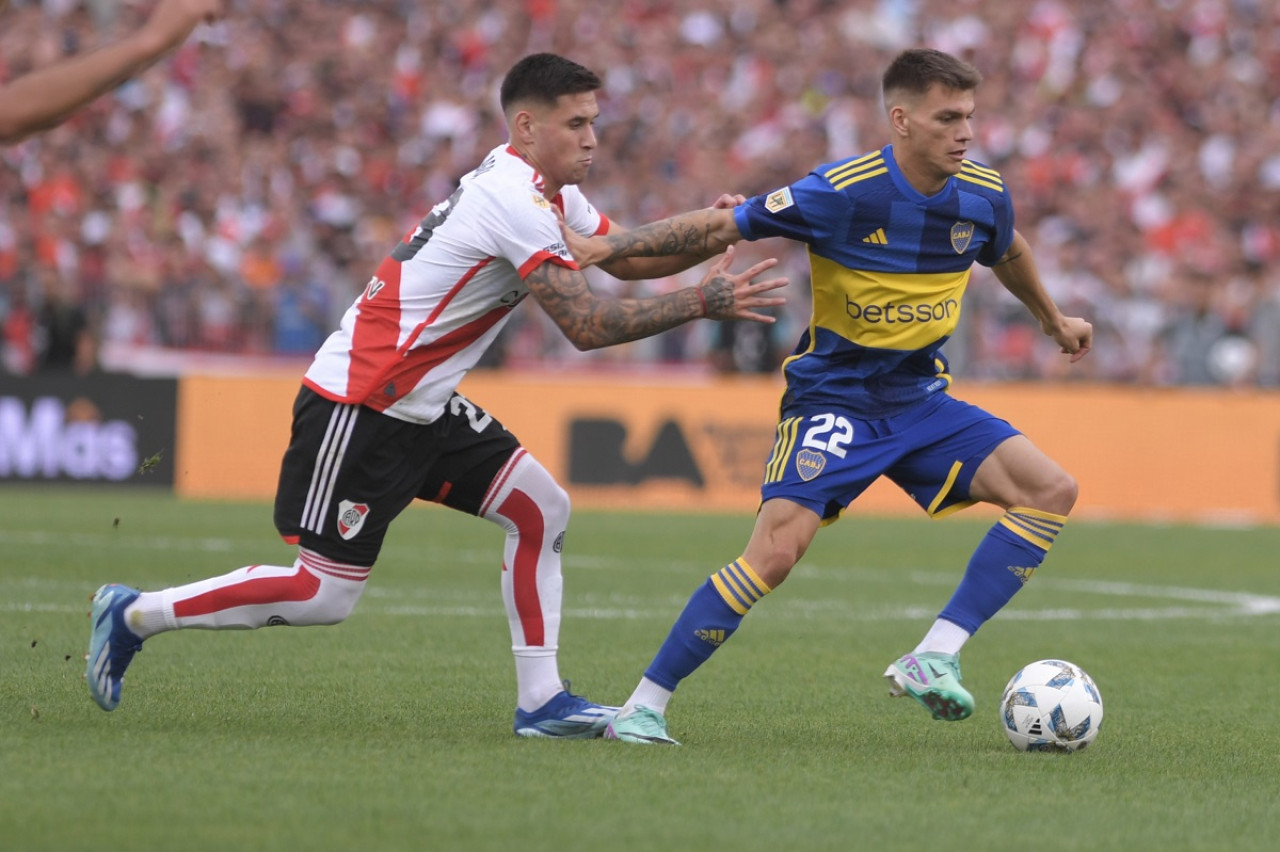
x,y
543,77
916,69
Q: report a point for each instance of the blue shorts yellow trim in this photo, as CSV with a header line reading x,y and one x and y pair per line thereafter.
x,y
824,458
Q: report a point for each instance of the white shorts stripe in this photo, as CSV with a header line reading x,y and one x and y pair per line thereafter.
x,y
328,461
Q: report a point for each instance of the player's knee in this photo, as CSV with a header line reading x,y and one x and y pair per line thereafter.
x,y
556,506
1058,493
773,562
541,487
334,601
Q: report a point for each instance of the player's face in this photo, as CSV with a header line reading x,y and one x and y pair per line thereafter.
x,y
934,132
562,139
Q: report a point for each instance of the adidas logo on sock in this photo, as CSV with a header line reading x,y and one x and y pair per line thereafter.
x,y
715,637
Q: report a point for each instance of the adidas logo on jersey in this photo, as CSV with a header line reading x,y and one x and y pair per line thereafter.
x,y
877,238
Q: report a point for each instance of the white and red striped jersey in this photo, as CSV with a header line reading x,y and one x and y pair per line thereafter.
x,y
440,298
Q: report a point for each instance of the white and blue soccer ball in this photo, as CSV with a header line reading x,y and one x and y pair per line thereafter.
x,y
1051,705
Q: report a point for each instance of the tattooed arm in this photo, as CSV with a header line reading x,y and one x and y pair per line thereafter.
x,y
688,238
592,322
674,253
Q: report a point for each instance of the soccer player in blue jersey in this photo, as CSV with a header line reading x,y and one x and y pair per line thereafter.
x,y
892,237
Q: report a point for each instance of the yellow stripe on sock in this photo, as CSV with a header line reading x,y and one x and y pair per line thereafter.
x,y
1037,527
739,585
747,575
729,597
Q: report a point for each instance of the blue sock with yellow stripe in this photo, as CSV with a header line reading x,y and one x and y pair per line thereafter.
x,y
1003,562
712,614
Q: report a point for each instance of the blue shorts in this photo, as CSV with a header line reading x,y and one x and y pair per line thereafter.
x,y
825,458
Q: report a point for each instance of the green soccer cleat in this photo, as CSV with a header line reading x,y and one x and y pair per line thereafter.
x,y
642,725
933,679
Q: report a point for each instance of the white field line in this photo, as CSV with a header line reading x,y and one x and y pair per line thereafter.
x,y
1207,604
425,601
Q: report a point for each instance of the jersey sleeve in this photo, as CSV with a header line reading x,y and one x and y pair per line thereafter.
x,y
525,232
1002,238
580,215
794,212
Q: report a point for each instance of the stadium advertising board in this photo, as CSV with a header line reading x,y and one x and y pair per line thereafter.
x,y
103,428
680,444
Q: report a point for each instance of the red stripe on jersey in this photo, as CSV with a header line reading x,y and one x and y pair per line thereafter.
x,y
604,226
299,586
540,258
376,360
418,362
377,331
526,515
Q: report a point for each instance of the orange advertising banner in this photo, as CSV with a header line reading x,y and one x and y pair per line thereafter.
x,y
673,443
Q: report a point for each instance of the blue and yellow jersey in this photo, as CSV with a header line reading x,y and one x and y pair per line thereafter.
x,y
889,268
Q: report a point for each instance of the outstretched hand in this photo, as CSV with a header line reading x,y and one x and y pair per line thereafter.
x,y
730,296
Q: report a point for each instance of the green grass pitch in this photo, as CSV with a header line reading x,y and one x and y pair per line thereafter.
x,y
393,730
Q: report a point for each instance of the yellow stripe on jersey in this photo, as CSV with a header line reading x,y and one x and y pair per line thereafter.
x,y
998,187
982,176
886,310
982,171
850,181
852,166
782,447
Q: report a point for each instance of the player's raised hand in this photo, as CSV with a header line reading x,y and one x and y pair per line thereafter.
x,y
730,296
172,21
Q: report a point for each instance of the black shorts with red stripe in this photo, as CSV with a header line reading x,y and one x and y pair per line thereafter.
x,y
350,470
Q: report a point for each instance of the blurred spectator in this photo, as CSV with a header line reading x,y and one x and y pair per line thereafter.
x,y
237,196
64,340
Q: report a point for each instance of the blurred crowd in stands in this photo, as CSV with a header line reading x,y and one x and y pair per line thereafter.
x,y
237,196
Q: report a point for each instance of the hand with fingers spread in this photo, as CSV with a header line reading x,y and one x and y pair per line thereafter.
x,y
729,296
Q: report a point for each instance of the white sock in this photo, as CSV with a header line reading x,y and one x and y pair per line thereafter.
x,y
650,695
145,616
533,509
944,637
537,677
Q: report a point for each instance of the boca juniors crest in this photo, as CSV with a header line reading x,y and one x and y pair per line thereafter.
x,y
809,464
961,236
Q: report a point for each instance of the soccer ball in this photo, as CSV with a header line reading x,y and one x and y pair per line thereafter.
x,y
1051,705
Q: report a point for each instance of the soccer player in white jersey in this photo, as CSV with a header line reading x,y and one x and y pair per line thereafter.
x,y
48,96
378,422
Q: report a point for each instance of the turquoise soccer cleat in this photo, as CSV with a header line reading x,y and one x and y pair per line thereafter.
x,y
642,725
933,679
